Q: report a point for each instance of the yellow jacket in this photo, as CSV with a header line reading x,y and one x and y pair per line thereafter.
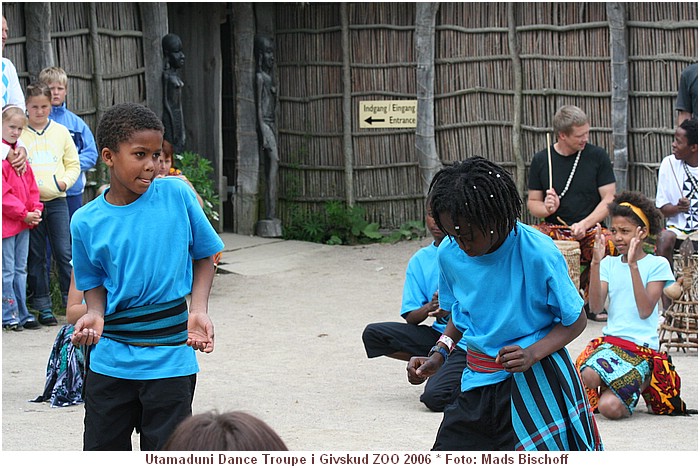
x,y
53,157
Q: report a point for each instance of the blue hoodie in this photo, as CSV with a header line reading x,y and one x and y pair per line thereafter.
x,y
83,139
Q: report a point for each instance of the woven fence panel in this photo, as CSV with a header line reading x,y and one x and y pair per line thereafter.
x,y
662,42
386,183
473,82
73,52
309,65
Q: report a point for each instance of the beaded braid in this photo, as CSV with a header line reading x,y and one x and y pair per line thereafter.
x,y
479,191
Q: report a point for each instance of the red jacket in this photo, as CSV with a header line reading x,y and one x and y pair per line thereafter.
x,y
20,195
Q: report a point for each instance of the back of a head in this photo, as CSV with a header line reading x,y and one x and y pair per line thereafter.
x,y
121,121
568,117
231,431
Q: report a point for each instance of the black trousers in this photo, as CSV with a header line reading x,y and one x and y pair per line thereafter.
x,y
115,407
381,339
478,420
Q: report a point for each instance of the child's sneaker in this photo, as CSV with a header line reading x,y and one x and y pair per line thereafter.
x,y
47,318
31,324
13,327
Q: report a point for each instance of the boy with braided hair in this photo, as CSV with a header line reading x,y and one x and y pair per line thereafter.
x,y
514,304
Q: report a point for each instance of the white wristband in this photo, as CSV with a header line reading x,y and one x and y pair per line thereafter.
x,y
447,341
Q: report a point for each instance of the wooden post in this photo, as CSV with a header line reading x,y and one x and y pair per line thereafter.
x,y
38,32
245,196
347,107
516,135
155,16
97,68
620,90
424,40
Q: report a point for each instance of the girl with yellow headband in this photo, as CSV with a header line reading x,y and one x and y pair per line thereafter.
x,y
625,362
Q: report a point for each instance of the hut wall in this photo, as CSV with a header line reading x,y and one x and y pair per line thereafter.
x,y
564,53
565,58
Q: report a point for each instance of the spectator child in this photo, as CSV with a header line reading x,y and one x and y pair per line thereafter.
x,y
21,211
54,159
57,81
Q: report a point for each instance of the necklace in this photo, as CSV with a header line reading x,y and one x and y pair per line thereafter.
x,y
571,175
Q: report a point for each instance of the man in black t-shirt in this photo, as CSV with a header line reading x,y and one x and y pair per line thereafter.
x,y
581,186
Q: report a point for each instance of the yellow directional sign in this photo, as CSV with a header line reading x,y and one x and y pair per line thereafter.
x,y
388,114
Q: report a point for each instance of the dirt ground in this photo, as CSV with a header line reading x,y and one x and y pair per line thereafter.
x,y
288,317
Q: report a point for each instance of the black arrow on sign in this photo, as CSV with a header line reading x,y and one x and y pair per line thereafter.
x,y
370,120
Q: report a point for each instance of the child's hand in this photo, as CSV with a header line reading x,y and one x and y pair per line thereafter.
x,y
88,330
515,359
200,332
419,368
439,313
635,251
33,218
599,244
18,160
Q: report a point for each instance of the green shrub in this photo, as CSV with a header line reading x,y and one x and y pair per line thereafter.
x,y
198,171
340,224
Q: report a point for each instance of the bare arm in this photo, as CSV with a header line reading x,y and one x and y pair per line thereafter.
x,y
607,193
597,290
75,307
419,315
669,209
682,116
645,298
200,329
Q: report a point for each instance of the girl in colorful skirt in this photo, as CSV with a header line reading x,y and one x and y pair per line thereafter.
x,y
511,298
625,363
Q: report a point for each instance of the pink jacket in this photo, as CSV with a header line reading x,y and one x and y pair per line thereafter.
x,y
20,195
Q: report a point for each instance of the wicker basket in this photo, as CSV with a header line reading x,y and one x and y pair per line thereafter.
x,y
572,254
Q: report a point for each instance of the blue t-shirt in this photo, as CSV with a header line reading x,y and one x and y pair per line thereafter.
x,y
422,274
623,316
142,254
513,296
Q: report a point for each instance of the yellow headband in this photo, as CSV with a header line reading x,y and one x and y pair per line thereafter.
x,y
640,214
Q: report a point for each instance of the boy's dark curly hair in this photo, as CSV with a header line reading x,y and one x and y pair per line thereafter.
x,y
691,130
121,121
656,219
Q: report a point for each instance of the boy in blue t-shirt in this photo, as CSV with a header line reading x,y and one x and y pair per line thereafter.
x,y
419,303
142,366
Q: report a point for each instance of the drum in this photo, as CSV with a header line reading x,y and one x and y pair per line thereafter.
x,y
571,251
